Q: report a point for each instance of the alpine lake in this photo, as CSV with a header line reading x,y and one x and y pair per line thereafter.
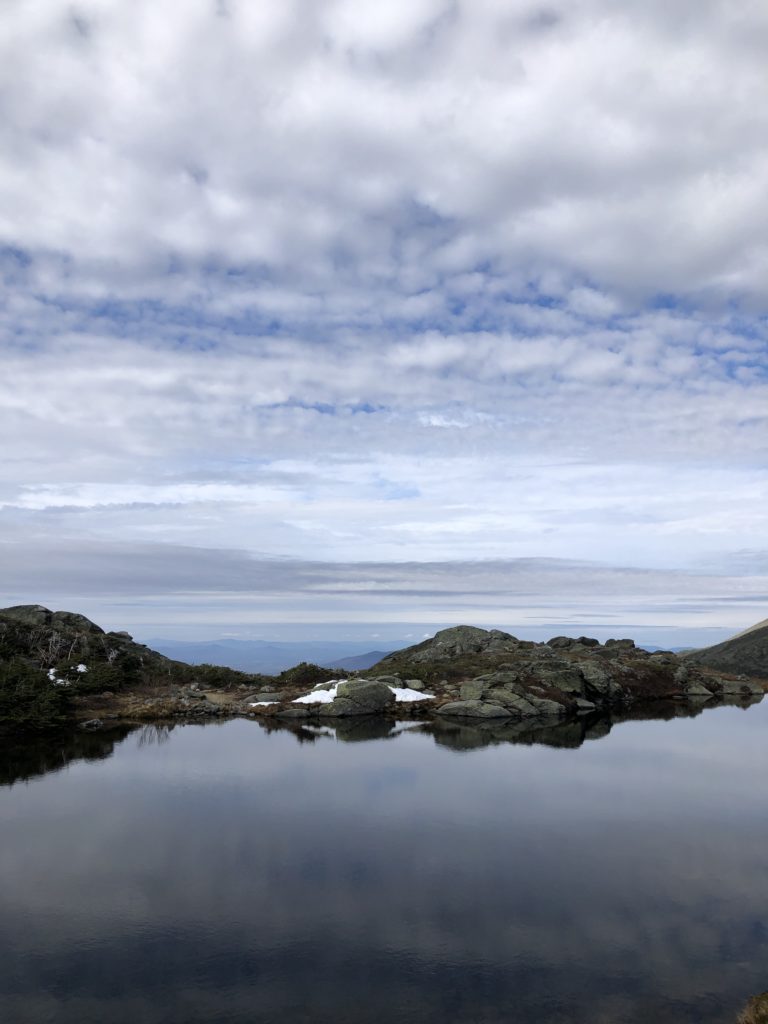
x,y
598,871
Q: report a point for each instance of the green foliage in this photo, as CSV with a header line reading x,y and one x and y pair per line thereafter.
x,y
218,677
28,699
99,678
307,675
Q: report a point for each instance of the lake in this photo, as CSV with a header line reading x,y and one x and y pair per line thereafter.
x,y
591,873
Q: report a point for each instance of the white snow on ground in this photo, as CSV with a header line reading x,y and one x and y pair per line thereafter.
x,y
262,703
317,697
52,674
405,693
402,694
82,668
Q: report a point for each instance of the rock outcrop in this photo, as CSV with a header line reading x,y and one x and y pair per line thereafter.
x,y
359,697
477,673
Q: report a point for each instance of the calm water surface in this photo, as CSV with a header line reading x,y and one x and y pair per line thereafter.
x,y
225,873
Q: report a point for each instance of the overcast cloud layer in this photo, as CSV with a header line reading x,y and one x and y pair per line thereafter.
x,y
385,290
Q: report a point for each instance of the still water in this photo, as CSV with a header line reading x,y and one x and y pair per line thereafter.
x,y
597,873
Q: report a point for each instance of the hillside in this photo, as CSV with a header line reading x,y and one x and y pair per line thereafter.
x,y
51,659
475,668
744,654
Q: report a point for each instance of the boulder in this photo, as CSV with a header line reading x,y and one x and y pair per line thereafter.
x,y
547,707
473,709
565,678
359,697
559,642
514,702
341,707
600,683
697,691
584,705
473,689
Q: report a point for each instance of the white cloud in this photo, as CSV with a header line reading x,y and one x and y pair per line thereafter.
x,y
596,138
427,280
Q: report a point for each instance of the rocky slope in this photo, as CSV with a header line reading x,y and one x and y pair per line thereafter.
x,y
466,673
746,653
487,673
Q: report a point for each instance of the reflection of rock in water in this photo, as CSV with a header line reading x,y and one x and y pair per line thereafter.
x,y
572,733
347,730
25,759
756,1011
355,730
551,733
472,733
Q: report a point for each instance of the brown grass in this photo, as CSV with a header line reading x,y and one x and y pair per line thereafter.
x,y
756,1011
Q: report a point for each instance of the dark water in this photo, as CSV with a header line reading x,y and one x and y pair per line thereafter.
x,y
589,875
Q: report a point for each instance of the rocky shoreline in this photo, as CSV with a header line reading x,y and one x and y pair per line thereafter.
x,y
463,674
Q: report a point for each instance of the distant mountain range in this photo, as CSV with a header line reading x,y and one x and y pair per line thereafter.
x,y
268,657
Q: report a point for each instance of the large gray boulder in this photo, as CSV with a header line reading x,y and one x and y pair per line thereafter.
x,y
696,691
515,703
359,697
473,709
547,707
473,689
601,684
562,677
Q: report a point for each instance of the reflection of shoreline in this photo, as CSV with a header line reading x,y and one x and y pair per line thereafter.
x,y
27,758
24,759
472,734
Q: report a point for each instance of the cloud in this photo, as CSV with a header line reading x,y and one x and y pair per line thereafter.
x,y
148,584
423,139
438,282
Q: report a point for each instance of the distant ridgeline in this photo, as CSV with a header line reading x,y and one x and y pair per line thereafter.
x,y
47,658
50,662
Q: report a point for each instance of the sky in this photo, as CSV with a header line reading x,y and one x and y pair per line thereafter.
x,y
332,315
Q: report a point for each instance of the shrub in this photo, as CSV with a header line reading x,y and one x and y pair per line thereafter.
x,y
307,675
29,699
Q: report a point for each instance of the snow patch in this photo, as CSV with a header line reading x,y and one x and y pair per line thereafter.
x,y
403,694
82,668
317,697
262,703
